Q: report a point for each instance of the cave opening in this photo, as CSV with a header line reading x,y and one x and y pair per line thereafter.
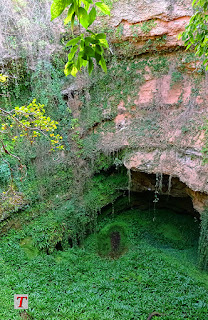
x,y
145,201
151,191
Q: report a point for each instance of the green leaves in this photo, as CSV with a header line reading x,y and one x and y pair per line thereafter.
x,y
196,33
74,71
83,17
92,16
83,48
68,68
69,15
72,53
103,64
58,7
83,51
103,7
73,41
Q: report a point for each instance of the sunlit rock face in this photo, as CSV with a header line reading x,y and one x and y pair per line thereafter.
x,y
148,25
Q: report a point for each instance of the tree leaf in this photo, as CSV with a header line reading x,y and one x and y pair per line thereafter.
x,y
85,62
72,21
104,43
90,40
72,53
97,57
89,51
205,61
73,42
82,44
79,61
188,46
68,68
92,16
103,7
90,31
69,15
100,36
74,71
103,64
99,49
83,17
58,7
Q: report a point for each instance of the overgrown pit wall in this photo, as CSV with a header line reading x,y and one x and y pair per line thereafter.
x,y
152,103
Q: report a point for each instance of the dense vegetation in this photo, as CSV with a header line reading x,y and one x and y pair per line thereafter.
x,y
156,272
70,235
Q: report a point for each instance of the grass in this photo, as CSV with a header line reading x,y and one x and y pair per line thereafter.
x,y
158,272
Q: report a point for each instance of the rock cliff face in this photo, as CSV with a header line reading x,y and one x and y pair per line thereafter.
x,y
153,101
139,22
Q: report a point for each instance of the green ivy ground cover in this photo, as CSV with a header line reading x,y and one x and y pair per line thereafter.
x,y
157,272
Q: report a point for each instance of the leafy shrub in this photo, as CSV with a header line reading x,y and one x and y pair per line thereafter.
x,y
46,232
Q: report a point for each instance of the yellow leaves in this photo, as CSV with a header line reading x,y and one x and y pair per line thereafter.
x,y
60,147
24,119
3,78
3,127
14,138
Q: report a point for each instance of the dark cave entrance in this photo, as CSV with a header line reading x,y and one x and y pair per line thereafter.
x,y
145,201
151,191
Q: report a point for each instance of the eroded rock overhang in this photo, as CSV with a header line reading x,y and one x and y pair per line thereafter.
x,y
189,175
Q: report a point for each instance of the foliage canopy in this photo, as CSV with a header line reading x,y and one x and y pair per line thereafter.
x,y
88,45
196,33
